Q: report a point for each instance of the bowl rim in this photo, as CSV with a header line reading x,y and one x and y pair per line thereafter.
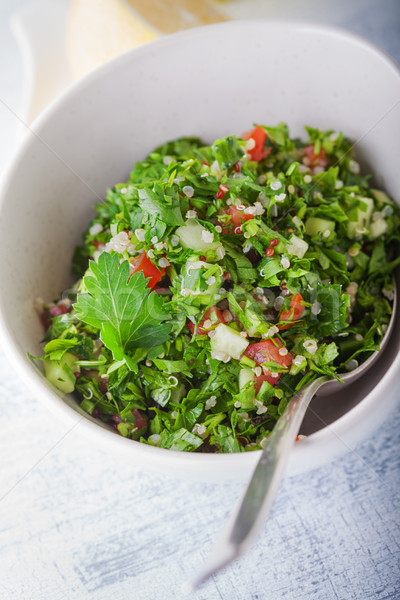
x,y
335,439
173,38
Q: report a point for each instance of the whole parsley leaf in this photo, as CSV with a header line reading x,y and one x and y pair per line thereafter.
x,y
128,315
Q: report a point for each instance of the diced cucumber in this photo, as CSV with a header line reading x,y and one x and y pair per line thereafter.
x,y
247,399
381,196
59,372
363,218
123,429
228,341
258,326
368,207
193,282
191,236
297,246
377,228
318,226
246,376
252,227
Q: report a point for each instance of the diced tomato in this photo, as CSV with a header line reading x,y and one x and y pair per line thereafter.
x,y
238,217
259,135
267,351
294,313
143,263
222,190
207,317
316,160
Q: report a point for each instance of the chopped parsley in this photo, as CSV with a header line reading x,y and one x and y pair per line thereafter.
x,y
220,279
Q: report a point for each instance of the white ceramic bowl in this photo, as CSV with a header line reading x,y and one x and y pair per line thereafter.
x,y
209,82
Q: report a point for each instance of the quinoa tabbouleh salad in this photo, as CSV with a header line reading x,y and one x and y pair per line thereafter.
x,y
217,281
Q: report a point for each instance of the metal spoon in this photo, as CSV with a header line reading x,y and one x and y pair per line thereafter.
x,y
245,523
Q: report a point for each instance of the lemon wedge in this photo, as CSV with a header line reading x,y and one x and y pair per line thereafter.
x,y
98,30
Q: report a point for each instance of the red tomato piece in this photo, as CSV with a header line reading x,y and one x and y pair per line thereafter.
x,y
207,317
259,135
294,313
222,190
238,217
316,160
268,350
143,263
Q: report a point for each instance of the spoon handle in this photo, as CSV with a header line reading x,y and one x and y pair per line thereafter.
x,y
243,527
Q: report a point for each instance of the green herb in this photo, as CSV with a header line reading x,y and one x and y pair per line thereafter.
x,y
227,151
257,266
165,207
127,314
